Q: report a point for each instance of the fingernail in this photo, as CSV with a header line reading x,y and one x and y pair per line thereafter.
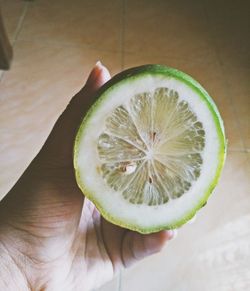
x,y
105,72
173,233
98,64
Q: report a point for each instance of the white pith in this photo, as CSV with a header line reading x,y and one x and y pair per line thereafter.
x,y
88,161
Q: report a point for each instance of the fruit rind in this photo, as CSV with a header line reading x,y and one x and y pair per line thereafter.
x,y
125,76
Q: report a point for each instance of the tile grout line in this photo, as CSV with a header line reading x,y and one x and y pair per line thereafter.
x,y
94,47
123,32
238,151
235,112
220,63
20,23
66,44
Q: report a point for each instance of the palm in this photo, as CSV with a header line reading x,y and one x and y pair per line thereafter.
x,y
67,244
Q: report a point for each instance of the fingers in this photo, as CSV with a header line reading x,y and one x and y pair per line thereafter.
x,y
113,237
138,246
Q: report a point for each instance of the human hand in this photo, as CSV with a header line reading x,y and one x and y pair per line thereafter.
x,y
51,236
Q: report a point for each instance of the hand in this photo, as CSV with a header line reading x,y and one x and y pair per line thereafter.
x,y
51,236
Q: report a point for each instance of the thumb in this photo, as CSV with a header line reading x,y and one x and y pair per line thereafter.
x,y
137,246
98,76
60,141
80,103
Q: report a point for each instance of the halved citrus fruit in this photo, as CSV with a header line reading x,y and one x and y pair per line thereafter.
x,y
151,149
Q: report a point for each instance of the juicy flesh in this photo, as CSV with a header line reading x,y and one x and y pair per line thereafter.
x,y
151,149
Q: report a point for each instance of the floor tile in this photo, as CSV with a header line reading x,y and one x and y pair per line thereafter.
x,y
209,73
12,10
166,28
238,89
229,24
33,94
215,246
95,23
59,43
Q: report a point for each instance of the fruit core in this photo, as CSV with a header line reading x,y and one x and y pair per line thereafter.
x,y
151,148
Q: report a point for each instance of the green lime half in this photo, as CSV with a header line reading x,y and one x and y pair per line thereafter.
x,y
150,150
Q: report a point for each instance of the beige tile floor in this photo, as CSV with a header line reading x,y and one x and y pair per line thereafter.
x,y
55,45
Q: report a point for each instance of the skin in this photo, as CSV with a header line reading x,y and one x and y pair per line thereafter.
x,y
51,236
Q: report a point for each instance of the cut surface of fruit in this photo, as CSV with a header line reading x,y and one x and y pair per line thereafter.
x,y
150,150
